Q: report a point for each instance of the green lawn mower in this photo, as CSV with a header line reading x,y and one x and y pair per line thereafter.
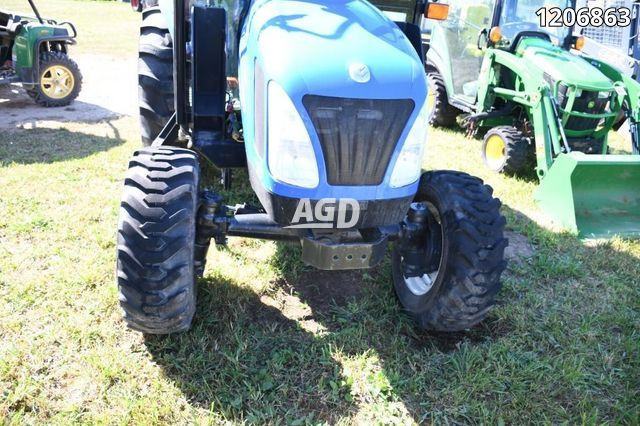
x,y
33,51
537,102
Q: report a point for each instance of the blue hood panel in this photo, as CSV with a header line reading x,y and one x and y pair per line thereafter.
x,y
309,47
312,48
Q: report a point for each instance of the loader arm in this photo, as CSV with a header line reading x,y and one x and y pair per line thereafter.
x,y
533,94
631,98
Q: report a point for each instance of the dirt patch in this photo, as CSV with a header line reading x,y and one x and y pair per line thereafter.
x,y
519,247
313,296
322,290
109,90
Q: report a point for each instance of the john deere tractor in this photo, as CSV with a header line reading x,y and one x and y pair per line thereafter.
x,y
34,52
539,105
324,102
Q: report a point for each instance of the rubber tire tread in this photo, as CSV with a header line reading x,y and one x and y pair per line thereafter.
x,y
519,153
56,58
156,239
443,114
473,254
155,75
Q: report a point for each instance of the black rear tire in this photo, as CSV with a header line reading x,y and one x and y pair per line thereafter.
x,y
156,240
155,74
62,61
507,150
470,255
441,112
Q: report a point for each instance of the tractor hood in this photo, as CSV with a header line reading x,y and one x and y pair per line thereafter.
x,y
335,48
355,81
560,64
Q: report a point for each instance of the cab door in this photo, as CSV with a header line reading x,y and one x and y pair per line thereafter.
x,y
467,18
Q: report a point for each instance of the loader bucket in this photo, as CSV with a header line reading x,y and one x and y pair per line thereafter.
x,y
597,196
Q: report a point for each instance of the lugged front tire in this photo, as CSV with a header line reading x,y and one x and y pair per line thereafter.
x,y
507,150
469,229
156,237
155,74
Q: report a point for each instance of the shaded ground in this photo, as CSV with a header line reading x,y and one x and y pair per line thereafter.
x,y
519,247
276,342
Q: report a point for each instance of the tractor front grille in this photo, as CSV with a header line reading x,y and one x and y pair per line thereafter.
x,y
588,101
358,136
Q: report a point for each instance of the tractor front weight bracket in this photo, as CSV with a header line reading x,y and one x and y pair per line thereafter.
x,y
321,248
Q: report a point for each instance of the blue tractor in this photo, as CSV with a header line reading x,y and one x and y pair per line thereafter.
x,y
324,103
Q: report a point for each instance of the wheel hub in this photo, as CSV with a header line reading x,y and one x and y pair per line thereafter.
x,y
421,254
57,82
419,285
431,100
495,151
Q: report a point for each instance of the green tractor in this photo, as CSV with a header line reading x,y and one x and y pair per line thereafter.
x,y
539,106
33,51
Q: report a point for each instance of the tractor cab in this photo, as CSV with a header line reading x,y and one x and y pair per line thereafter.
x,y
517,19
472,26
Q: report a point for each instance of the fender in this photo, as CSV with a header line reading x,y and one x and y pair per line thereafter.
x,y
28,44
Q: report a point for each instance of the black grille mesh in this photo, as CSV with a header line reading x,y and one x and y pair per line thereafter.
x,y
581,104
357,136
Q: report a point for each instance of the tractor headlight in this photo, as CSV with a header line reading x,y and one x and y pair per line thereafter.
x,y
289,151
409,163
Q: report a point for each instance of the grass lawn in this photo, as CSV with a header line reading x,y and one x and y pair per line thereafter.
x,y
274,341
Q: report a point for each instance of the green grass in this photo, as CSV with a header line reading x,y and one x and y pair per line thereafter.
x,y
275,342
108,28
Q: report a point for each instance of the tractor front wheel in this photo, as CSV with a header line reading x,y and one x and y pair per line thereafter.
x,y
448,275
506,150
156,240
59,81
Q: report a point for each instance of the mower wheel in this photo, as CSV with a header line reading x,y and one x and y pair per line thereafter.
x,y
441,113
155,74
59,82
460,255
156,240
506,150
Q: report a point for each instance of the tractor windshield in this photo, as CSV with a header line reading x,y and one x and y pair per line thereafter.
x,y
520,15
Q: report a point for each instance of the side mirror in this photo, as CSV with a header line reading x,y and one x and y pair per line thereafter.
x,y
437,11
